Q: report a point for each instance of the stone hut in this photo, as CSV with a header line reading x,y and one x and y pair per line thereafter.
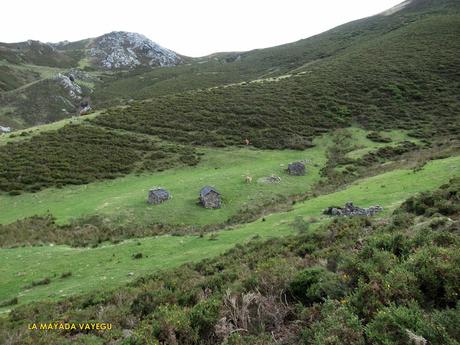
x,y
296,169
210,197
158,195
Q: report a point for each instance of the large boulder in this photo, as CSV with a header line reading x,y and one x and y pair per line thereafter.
x,y
296,169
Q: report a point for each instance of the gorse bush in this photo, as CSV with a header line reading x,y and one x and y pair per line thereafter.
x,y
336,325
378,138
315,284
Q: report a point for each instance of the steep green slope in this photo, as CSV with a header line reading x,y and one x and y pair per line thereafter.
x,y
79,154
403,75
16,76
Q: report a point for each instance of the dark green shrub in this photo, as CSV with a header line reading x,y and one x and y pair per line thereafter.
x,y
10,302
438,273
146,302
337,325
378,138
44,281
313,285
171,324
398,325
204,316
66,274
449,319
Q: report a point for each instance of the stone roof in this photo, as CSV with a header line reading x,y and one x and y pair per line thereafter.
x,y
159,191
206,190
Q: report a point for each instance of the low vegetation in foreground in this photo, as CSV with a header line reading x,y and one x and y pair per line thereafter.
x,y
358,280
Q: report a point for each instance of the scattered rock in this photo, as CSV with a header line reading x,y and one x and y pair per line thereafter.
x,y
78,74
73,88
351,210
126,333
5,129
85,109
416,339
121,49
269,179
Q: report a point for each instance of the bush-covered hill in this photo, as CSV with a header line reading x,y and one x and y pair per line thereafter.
x,y
41,102
353,281
379,40
35,53
226,68
407,77
79,154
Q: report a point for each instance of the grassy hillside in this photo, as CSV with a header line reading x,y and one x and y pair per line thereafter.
x,y
27,133
17,76
323,265
35,53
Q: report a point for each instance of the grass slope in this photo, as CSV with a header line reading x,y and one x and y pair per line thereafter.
x,y
123,200
80,153
24,134
108,266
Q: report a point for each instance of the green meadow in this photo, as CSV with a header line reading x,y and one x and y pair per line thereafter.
x,y
110,266
123,201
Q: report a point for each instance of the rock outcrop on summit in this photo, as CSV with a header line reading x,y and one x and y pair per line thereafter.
x,y
119,49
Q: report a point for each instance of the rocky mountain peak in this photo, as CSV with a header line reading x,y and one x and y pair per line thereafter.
x,y
120,49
